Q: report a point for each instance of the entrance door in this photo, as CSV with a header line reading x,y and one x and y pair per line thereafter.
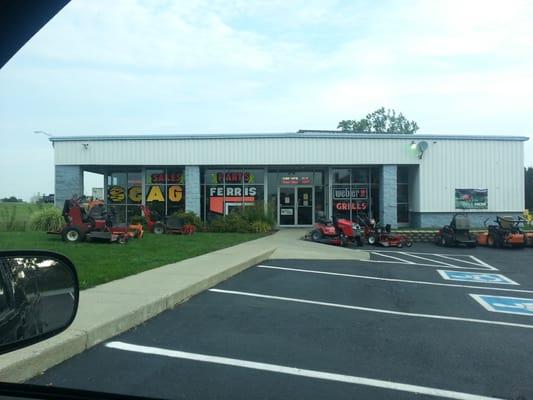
x,y
295,205
304,195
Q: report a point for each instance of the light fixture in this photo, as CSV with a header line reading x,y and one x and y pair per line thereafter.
x,y
413,145
85,145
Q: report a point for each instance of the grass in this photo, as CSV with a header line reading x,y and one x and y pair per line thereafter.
x,y
98,263
15,216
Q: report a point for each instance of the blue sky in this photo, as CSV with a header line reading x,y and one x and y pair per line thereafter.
x,y
195,66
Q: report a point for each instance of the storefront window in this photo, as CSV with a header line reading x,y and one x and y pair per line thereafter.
x,y
351,200
231,190
341,175
402,209
360,175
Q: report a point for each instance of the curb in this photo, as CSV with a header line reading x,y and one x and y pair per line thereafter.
x,y
26,363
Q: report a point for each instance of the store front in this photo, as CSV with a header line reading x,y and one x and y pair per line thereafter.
x,y
296,205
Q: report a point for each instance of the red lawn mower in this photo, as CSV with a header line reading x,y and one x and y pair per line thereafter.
x,y
338,232
95,225
171,224
376,234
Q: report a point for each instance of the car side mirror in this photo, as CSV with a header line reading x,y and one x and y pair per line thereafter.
x,y
39,295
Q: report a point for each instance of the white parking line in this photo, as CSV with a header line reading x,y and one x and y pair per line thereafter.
x,y
308,373
376,310
478,265
376,278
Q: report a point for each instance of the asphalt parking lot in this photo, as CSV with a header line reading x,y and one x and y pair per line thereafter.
x,y
425,322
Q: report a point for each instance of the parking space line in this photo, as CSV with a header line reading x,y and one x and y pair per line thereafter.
x,y
395,258
477,264
376,278
426,265
369,309
426,259
307,373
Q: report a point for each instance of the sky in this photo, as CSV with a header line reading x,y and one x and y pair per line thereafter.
x,y
216,66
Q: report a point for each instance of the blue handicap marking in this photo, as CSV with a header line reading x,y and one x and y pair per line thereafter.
x,y
479,277
502,304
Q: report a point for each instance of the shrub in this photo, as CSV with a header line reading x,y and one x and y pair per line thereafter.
x,y
47,219
260,227
191,218
231,223
258,213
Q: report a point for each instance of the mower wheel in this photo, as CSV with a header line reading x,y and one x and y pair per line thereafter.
x,y
316,236
371,239
399,245
71,234
409,243
159,228
490,241
443,241
123,239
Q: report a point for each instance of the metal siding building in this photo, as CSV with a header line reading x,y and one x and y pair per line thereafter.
x,y
491,163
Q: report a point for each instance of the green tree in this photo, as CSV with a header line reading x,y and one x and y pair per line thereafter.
x,y
380,121
529,188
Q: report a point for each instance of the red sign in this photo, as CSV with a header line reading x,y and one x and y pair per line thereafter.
x,y
355,206
172,177
233,177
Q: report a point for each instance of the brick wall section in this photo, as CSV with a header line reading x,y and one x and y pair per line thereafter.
x,y
68,182
439,219
192,189
388,187
424,236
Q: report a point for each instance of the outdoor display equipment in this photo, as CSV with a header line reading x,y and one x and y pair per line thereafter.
x,y
170,224
506,232
456,233
338,232
377,234
97,225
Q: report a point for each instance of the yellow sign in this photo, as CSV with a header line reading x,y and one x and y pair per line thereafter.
x,y
135,194
175,193
116,194
155,194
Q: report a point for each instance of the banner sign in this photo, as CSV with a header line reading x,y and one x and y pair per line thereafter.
x,y
171,177
342,193
236,195
471,199
295,180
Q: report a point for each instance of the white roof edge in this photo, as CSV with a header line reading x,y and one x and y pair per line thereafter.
x,y
292,135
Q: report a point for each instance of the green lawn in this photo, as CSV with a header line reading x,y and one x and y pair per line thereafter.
x,y
17,215
98,263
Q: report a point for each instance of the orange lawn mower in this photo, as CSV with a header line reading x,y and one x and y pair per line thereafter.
x,y
506,233
171,224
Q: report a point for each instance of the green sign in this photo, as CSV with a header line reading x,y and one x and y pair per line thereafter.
x,y
476,199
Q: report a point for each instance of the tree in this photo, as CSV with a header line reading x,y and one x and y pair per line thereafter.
x,y
11,199
529,188
380,121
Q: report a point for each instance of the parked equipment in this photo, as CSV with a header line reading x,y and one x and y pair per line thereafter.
x,y
457,233
506,232
377,234
338,232
95,225
172,224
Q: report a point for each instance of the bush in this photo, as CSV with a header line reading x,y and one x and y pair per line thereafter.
x,y
191,218
231,223
47,219
260,227
259,214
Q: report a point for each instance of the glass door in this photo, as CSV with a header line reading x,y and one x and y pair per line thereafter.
x,y
286,206
304,205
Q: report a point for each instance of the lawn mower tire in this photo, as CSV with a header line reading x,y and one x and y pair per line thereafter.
x,y
316,236
159,228
71,234
372,240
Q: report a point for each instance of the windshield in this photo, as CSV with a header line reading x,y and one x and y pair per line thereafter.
x,y
268,199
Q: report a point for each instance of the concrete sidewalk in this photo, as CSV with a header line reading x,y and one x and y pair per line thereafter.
x,y
112,308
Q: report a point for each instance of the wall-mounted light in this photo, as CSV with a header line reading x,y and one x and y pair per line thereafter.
x,y
413,145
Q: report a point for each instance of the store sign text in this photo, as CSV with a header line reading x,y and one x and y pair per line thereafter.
x,y
232,177
347,193
232,191
354,206
171,177
175,194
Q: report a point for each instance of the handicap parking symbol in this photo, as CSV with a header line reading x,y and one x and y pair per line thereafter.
x,y
479,277
507,305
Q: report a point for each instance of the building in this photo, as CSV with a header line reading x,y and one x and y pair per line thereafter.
x,y
416,180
